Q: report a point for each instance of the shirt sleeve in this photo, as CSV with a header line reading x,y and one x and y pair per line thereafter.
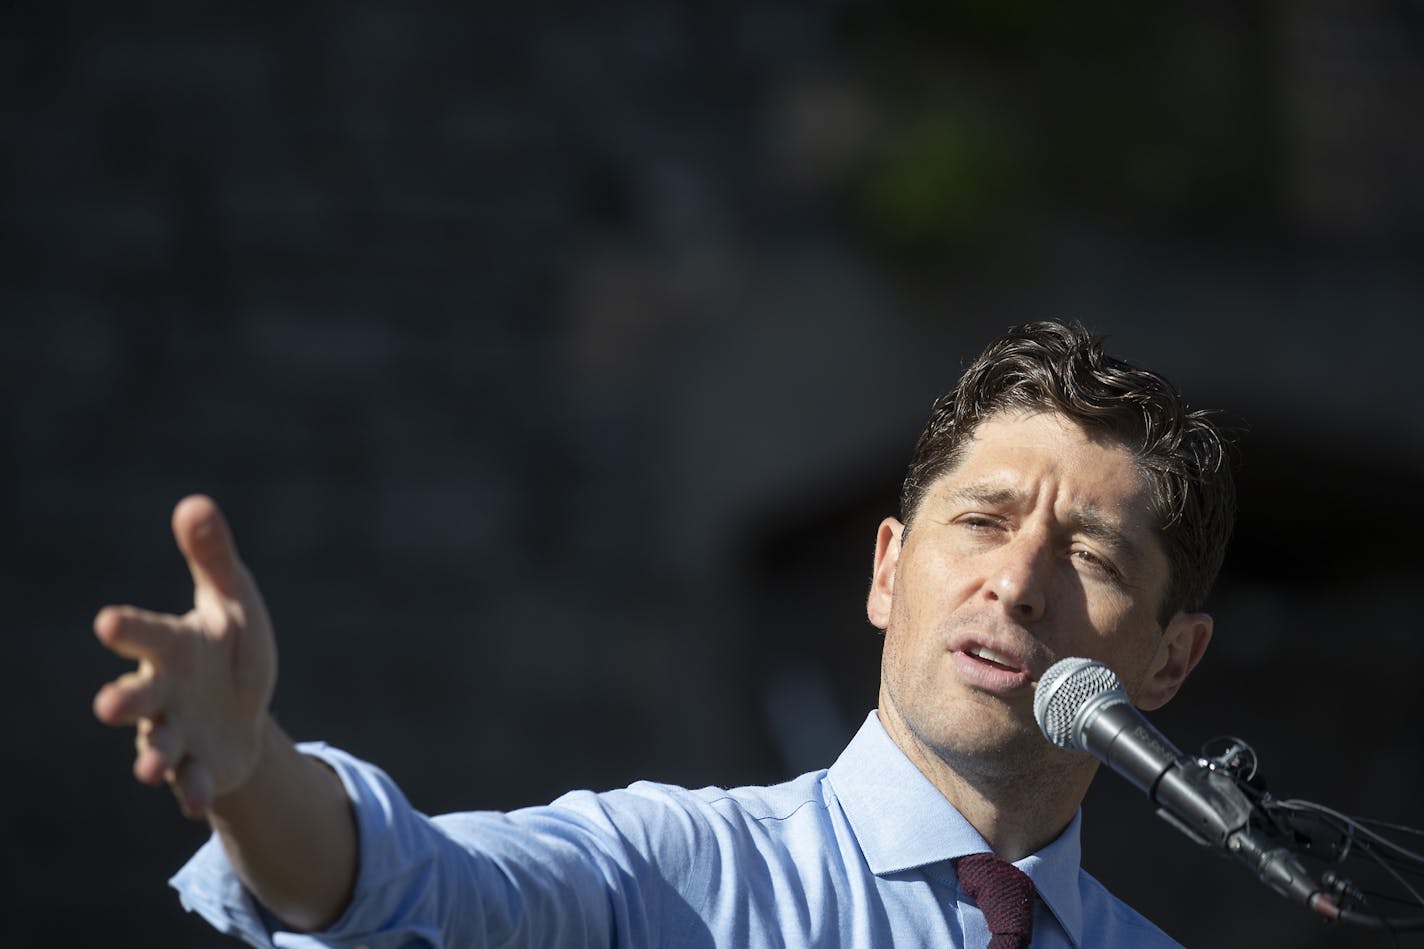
x,y
546,876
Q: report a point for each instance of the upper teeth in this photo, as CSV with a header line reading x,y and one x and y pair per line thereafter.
x,y
991,655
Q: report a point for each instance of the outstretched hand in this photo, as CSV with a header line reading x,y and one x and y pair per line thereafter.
x,y
204,681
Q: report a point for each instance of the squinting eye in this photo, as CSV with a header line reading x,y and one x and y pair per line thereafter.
x,y
1093,560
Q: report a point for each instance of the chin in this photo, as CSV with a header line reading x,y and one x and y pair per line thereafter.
x,y
978,732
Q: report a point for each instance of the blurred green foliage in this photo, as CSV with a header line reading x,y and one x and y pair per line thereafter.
x,y
943,175
993,118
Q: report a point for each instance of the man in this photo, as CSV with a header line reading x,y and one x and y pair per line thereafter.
x,y
1059,503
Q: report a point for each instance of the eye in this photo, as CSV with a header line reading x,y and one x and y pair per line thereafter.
x,y
1095,562
980,522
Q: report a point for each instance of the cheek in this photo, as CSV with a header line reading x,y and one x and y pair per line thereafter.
x,y
941,579
1129,638
913,610
1110,608
1118,624
908,629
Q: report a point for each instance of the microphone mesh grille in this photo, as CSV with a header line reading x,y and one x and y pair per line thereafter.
x,y
1062,692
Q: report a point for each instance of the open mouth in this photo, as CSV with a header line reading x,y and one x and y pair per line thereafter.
x,y
991,658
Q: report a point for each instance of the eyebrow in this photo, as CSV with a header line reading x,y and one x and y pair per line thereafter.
x,y
994,495
1095,525
1089,520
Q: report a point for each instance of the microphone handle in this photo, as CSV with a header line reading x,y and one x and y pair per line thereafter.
x,y
1113,731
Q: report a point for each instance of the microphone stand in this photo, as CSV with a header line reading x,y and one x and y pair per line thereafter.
x,y
1276,833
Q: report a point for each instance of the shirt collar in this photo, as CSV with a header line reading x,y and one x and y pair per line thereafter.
x,y
903,822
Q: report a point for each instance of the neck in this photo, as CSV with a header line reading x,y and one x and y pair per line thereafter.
x,y
1019,802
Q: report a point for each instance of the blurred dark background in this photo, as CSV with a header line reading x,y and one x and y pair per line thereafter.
x,y
556,365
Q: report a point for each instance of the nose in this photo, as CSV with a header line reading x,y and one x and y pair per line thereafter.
x,y
1019,578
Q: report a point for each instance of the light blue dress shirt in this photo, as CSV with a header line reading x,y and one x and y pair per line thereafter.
x,y
856,856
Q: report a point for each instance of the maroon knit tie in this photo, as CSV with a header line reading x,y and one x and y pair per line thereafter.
x,y
1003,893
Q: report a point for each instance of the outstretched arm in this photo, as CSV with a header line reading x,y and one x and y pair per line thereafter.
x,y
199,700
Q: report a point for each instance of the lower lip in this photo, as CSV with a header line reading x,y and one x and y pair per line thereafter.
x,y
989,678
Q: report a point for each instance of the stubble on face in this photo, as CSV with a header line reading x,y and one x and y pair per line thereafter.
x,y
985,740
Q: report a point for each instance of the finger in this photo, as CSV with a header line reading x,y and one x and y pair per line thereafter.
x,y
137,634
132,696
193,786
159,752
203,536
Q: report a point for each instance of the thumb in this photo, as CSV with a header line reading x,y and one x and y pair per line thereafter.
x,y
203,536
192,784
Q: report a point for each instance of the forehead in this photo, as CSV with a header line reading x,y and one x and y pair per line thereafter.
x,y
1048,456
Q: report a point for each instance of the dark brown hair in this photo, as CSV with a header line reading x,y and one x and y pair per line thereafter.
x,y
1062,368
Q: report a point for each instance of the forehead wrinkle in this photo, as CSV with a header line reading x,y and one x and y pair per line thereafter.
x,y
1088,519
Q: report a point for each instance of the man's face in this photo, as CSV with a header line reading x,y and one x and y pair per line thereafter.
x,y
1037,546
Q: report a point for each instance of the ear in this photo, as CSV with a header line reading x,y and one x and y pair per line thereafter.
x,y
1182,646
882,580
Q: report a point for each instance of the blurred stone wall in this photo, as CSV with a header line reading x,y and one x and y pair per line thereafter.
x,y
555,367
